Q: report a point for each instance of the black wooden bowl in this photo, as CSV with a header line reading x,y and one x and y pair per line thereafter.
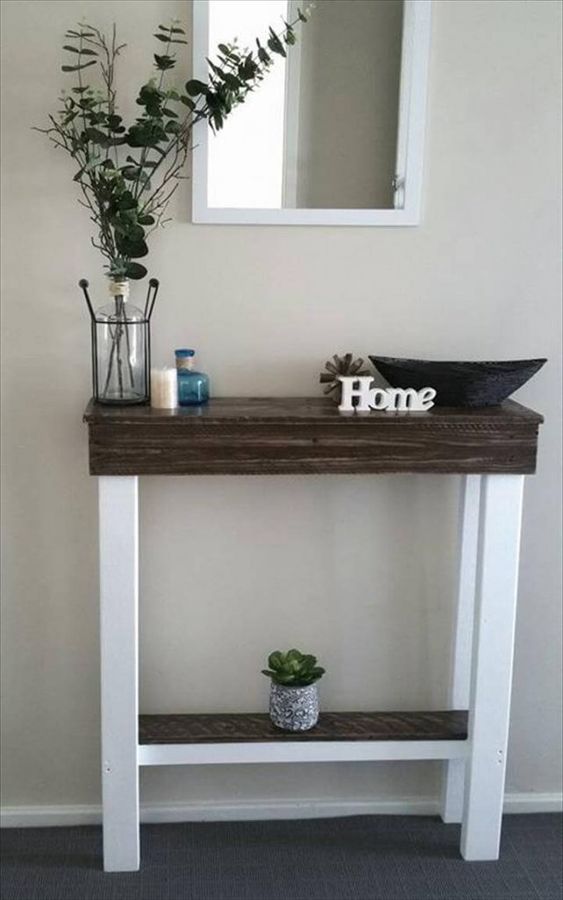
x,y
459,383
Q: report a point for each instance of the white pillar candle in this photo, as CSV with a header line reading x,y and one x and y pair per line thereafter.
x,y
164,388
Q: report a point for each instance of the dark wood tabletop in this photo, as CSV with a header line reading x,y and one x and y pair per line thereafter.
x,y
296,435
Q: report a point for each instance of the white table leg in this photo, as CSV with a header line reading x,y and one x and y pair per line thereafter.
x,y
453,785
491,677
118,518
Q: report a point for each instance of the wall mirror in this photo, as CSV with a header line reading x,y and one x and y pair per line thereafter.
x,y
335,133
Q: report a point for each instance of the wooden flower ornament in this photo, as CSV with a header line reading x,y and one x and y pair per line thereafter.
x,y
340,365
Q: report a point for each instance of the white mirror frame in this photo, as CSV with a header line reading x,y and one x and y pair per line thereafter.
x,y
410,140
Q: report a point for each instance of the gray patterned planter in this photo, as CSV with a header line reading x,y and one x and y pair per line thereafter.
x,y
294,708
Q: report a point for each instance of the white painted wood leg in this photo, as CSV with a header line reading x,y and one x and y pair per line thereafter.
x,y
453,786
491,677
118,523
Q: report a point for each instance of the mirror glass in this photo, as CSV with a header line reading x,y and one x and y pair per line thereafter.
x,y
321,132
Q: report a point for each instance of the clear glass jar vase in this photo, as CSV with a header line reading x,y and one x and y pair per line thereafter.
x,y
121,346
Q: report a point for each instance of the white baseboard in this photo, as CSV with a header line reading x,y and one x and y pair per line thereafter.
x,y
49,816
533,803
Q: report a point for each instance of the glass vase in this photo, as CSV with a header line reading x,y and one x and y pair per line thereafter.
x,y
193,387
121,346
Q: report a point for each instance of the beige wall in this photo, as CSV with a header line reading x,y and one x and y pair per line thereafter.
x,y
357,569
348,105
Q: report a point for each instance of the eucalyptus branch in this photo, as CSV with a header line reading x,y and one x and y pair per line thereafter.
x,y
124,187
180,150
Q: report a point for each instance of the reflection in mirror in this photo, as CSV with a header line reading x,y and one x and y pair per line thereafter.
x,y
322,131
335,133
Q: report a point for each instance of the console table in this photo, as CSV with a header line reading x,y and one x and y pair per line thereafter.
x,y
492,449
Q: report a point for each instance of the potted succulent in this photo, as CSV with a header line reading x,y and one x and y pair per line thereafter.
x,y
294,698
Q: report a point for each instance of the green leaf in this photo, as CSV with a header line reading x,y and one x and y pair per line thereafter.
x,y
309,661
231,57
77,68
135,271
138,249
195,87
131,248
134,233
162,37
146,220
164,62
172,30
127,201
149,91
146,134
301,17
187,101
96,136
96,118
217,121
275,659
85,50
282,678
247,69
275,44
130,173
231,81
276,47
149,95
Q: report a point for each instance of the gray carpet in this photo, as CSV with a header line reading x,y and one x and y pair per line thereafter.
x,y
363,858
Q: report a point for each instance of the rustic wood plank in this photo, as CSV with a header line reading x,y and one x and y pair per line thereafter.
x,y
308,436
348,726
286,409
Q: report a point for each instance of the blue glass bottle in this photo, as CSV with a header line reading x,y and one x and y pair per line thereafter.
x,y
193,387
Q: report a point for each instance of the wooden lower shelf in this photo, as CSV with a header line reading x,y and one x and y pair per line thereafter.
x,y
225,728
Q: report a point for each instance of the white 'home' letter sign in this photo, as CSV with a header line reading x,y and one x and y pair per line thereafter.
x,y
389,399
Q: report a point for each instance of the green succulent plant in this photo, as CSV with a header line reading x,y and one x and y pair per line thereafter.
x,y
293,668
